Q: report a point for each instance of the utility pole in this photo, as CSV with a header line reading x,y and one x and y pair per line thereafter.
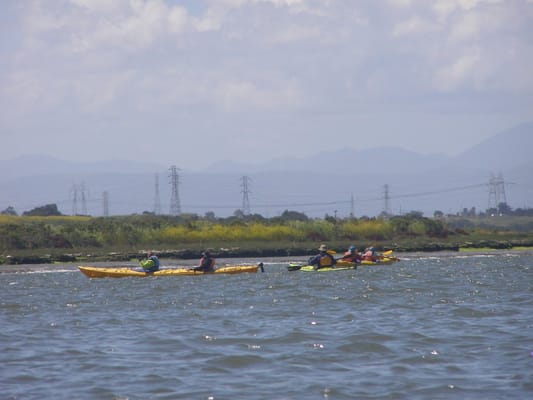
x,y
157,202
245,191
105,197
175,207
352,206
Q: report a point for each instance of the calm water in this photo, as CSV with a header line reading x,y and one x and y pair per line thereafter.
x,y
431,327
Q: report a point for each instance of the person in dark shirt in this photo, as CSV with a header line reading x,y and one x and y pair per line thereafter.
x,y
323,259
206,264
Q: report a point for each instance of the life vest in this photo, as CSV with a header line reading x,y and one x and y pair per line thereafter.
x,y
147,264
326,261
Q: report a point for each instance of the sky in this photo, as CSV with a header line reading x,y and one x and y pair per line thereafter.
x,y
189,83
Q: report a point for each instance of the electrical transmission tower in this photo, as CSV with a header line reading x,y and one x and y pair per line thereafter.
x,y
496,191
105,197
74,191
245,191
83,200
386,197
157,201
175,207
81,190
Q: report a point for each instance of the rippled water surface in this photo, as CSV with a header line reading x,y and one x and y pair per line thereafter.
x,y
446,326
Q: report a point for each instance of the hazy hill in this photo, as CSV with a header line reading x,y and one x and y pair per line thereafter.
x,y
507,150
347,161
339,181
39,165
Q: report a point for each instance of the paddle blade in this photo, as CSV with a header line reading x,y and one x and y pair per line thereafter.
x,y
294,267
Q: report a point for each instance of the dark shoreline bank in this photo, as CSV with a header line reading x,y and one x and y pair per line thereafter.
x,y
84,256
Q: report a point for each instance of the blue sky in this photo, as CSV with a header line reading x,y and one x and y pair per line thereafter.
x,y
193,82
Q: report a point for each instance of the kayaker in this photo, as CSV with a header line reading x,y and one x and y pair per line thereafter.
x,y
323,259
352,255
151,264
369,254
206,264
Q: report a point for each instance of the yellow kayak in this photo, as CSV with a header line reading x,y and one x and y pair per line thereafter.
x,y
380,261
343,265
120,272
310,268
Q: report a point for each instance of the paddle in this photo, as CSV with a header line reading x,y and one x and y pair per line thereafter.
x,y
294,267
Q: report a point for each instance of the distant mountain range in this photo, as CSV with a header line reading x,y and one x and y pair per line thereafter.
x,y
41,165
342,182
379,160
507,150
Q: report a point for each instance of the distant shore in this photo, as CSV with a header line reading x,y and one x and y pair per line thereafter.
x,y
92,256
172,263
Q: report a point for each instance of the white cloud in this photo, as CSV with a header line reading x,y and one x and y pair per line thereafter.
x,y
401,3
287,3
415,25
457,73
136,59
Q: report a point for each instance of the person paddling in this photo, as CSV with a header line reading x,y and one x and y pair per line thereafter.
x,y
369,254
323,259
352,255
151,264
206,264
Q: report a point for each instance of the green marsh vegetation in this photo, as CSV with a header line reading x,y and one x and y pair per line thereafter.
x,y
292,233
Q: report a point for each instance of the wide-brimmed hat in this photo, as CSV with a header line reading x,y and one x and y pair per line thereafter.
x,y
323,247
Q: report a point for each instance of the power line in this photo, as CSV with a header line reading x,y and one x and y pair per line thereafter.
x,y
348,205
420,194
